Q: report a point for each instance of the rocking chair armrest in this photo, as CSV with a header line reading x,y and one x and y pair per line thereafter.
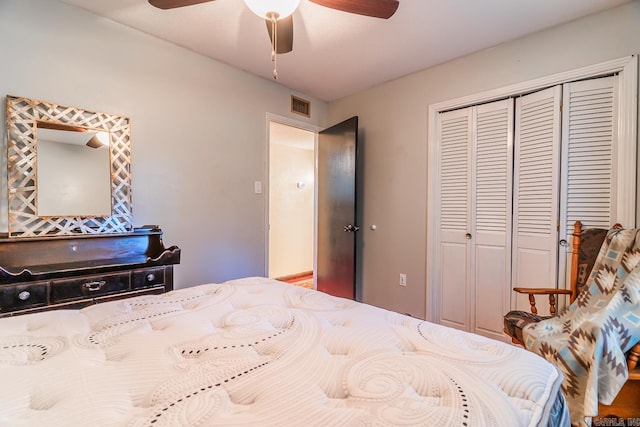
x,y
542,291
532,292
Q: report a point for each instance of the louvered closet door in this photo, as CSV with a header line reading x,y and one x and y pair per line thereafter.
x,y
589,172
475,217
454,218
491,253
588,178
536,191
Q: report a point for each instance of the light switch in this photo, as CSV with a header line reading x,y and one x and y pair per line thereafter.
x,y
257,187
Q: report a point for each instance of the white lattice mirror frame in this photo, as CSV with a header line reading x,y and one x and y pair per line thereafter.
x,y
23,115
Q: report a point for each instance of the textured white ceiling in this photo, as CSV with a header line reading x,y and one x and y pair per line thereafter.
x,y
335,53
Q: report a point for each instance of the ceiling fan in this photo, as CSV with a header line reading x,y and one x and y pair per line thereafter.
x,y
277,14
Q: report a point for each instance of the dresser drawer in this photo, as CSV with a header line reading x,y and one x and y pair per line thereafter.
x,y
18,297
88,286
148,277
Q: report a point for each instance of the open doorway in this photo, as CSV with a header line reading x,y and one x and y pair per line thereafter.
x,y
291,211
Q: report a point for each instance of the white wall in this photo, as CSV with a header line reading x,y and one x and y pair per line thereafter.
x,y
290,209
393,118
199,127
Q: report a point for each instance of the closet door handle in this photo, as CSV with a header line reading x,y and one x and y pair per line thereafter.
x,y
563,242
467,236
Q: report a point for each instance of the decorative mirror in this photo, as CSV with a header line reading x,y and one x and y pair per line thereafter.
x,y
69,170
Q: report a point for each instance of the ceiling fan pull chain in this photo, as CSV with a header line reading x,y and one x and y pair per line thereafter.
x,y
274,53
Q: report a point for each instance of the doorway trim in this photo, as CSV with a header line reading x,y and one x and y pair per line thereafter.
x,y
288,121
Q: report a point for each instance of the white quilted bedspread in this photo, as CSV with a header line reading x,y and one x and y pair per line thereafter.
x,y
257,352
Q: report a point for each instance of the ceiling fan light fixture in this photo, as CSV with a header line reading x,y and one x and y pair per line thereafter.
x,y
268,9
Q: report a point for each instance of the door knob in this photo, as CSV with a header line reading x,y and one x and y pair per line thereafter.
x,y
467,236
563,242
351,228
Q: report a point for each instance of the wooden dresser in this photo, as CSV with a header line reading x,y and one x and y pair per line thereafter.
x,y
43,273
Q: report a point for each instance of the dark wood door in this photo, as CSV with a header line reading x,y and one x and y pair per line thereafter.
x,y
336,256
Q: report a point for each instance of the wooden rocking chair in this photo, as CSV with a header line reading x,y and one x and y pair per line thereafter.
x,y
586,246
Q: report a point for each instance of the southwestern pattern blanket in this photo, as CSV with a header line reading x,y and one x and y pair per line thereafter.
x,y
589,339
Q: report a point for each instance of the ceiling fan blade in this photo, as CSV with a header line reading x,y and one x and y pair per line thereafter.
x,y
285,34
171,4
375,8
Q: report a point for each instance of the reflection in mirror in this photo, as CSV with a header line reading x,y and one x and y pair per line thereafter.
x,y
36,166
73,171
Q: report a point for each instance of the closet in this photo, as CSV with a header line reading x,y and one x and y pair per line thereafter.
x,y
512,177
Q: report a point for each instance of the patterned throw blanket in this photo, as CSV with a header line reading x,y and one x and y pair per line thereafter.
x,y
588,341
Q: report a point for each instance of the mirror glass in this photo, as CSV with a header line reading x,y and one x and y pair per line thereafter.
x,y
73,172
68,170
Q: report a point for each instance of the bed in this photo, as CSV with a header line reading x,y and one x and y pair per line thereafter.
x,y
256,351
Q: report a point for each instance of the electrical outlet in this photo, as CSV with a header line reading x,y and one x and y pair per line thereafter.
x,y
403,279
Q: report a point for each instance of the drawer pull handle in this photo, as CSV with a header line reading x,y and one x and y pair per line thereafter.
x,y
24,295
94,286
151,277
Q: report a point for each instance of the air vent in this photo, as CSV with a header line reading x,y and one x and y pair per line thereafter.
x,y
300,106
